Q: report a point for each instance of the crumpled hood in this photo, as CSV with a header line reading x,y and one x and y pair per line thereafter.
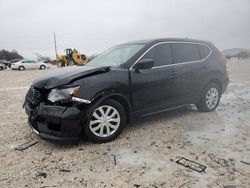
x,y
63,76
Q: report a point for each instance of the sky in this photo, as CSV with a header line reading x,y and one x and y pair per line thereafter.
x,y
95,25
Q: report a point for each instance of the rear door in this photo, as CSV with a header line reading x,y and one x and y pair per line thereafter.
x,y
26,64
152,88
187,66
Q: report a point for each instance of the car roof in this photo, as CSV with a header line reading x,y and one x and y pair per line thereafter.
x,y
150,41
20,60
26,60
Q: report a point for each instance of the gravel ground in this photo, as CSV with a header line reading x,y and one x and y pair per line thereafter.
x,y
145,153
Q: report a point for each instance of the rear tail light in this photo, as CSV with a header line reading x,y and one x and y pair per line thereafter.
x,y
227,71
224,61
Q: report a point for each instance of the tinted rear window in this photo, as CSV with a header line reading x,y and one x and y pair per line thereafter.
x,y
185,52
204,51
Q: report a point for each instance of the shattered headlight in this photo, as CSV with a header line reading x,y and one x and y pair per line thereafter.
x,y
63,94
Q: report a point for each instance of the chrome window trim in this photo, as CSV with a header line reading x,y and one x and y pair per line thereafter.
x,y
173,64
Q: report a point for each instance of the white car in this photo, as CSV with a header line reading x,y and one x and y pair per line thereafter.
x,y
28,64
2,66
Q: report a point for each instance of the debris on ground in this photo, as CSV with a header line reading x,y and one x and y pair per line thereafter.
x,y
185,183
229,186
25,145
114,158
191,164
42,174
247,163
65,170
137,185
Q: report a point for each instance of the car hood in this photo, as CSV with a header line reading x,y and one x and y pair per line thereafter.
x,y
66,75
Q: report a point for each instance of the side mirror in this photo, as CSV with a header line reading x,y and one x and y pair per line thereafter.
x,y
144,64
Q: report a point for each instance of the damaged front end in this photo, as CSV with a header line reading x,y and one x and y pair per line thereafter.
x,y
55,109
53,117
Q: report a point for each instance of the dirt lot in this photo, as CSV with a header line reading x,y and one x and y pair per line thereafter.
x,y
145,153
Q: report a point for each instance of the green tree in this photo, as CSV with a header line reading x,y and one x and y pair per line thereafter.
x,y
5,54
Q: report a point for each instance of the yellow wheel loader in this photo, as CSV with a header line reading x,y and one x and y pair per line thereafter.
x,y
72,57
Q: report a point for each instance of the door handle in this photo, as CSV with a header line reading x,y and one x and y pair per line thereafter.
x,y
173,73
204,67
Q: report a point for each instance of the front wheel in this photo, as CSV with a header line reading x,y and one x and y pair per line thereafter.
x,y
60,64
71,63
106,122
210,98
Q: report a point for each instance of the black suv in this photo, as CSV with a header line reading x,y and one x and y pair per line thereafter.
x,y
127,81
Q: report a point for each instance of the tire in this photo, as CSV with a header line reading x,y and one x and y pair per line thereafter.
x,y
42,67
60,64
1,68
108,130
71,63
21,68
210,98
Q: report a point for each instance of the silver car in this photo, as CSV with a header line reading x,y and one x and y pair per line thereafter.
x,y
2,66
28,64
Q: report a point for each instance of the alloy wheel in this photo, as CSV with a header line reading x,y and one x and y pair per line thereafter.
x,y
212,98
105,121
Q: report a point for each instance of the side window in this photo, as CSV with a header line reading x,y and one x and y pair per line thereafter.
x,y
185,52
204,51
161,54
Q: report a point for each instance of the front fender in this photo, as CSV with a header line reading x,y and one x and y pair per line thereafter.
x,y
95,86
114,84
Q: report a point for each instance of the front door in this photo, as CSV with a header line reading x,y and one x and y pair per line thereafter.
x,y
152,89
27,64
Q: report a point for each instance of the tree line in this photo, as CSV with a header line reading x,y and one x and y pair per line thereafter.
x,y
10,55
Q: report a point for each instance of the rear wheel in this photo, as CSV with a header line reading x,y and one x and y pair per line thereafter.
x,y
210,98
42,67
106,122
21,68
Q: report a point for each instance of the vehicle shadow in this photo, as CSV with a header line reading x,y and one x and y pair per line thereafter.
x,y
170,115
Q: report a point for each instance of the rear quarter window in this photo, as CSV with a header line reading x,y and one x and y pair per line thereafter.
x,y
185,52
204,51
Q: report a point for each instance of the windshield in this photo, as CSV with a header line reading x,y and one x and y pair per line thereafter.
x,y
116,56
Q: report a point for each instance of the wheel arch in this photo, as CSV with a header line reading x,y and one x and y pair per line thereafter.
x,y
117,97
216,81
